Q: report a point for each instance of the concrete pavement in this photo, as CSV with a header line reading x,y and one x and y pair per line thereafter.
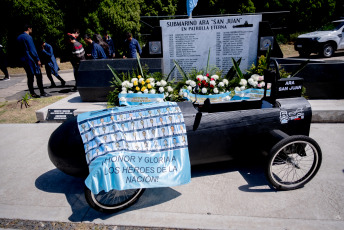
x,y
232,195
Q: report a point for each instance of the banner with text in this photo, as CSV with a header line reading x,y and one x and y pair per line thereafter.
x,y
188,42
135,147
139,98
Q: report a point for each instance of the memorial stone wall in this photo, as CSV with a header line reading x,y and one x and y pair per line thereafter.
x,y
188,42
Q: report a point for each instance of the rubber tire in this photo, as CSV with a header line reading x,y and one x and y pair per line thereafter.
x,y
275,150
304,54
95,204
327,51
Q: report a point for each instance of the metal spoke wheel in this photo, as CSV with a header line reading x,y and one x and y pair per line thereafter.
x,y
293,162
114,200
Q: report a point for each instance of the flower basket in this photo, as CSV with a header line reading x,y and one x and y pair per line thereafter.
x,y
139,98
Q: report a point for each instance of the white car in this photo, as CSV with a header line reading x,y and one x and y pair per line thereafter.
x,y
324,41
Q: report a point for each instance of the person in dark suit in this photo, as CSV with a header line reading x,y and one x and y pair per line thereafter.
x,y
49,61
31,62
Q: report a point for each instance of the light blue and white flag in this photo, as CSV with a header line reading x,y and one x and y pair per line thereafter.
x,y
131,147
190,5
250,93
215,98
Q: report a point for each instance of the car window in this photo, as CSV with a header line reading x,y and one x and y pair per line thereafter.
x,y
332,26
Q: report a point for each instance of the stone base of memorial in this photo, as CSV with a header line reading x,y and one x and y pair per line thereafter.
x,y
94,78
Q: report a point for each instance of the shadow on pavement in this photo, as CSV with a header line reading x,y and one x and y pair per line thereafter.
x,y
251,168
55,181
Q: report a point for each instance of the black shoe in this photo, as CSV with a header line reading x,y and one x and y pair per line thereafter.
x,y
6,79
52,86
74,89
35,96
45,95
63,83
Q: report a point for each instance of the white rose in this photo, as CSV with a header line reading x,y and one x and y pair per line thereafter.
x,y
123,92
139,93
169,89
237,89
161,89
261,84
255,77
242,88
216,90
151,80
243,82
126,84
189,88
141,79
221,84
205,78
152,91
193,84
204,90
250,81
158,83
152,84
145,91
225,81
134,79
215,76
199,77
163,83
188,82
124,89
130,91
212,83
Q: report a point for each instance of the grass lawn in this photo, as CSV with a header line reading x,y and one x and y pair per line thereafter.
x,y
13,112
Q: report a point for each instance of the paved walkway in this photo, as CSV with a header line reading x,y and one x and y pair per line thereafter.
x,y
231,195
16,88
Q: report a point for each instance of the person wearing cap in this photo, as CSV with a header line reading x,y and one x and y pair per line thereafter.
x,y
49,61
97,52
78,54
31,62
132,47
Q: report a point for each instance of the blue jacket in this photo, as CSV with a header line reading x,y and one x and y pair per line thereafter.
x,y
111,46
132,47
97,51
28,53
49,59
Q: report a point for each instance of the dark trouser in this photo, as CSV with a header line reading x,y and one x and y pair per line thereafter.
x,y
30,80
48,71
3,68
75,70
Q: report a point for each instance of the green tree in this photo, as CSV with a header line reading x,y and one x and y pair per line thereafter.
x,y
43,15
